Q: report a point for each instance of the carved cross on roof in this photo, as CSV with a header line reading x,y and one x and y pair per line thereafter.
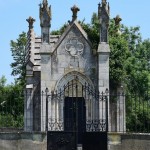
x,y
74,10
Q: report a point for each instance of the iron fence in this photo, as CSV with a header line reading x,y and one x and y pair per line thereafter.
x,y
126,112
11,110
130,113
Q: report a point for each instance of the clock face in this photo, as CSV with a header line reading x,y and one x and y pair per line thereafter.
x,y
74,47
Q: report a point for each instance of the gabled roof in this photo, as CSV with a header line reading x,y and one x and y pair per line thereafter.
x,y
68,29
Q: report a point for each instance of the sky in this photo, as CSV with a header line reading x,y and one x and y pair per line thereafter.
x,y
13,15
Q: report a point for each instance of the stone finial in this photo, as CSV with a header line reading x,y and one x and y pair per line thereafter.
x,y
103,15
44,8
117,20
30,20
104,2
45,2
105,6
117,25
74,10
45,21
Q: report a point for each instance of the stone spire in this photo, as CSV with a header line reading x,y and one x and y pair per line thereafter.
x,y
74,10
103,14
45,18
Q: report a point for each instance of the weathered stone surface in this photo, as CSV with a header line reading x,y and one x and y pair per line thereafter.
x,y
38,141
23,141
128,141
104,47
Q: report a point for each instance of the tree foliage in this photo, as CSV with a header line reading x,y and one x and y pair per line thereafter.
x,y
18,54
129,56
11,104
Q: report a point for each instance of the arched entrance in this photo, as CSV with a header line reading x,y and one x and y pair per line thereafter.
x,y
74,107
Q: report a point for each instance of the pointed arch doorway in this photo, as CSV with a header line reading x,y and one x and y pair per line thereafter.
x,y
76,111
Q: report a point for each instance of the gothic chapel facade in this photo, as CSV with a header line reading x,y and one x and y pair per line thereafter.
x,y
64,75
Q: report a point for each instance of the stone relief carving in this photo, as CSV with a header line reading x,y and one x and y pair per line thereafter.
x,y
74,62
74,47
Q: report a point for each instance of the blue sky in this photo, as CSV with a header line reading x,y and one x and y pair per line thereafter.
x,y
13,15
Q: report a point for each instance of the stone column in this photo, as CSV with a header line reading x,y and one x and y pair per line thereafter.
x,y
28,101
103,77
121,110
28,108
45,53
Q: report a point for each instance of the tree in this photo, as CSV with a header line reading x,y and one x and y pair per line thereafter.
x,y
93,30
18,54
11,104
2,81
137,64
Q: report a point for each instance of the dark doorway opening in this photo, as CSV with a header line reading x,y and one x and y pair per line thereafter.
x,y
75,117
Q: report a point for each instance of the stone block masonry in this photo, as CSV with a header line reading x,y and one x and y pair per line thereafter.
x,y
23,141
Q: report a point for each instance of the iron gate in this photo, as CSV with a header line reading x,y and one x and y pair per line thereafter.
x,y
78,114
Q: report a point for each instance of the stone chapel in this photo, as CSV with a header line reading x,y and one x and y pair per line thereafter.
x,y
66,81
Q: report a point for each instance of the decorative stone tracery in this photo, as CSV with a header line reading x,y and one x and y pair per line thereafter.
x,y
74,47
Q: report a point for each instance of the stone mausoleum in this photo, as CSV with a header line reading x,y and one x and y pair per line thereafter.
x,y
67,82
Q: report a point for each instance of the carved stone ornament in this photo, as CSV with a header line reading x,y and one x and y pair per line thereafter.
x,y
74,47
30,20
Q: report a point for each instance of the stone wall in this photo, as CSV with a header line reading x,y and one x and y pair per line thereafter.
x,y
128,141
23,141
38,141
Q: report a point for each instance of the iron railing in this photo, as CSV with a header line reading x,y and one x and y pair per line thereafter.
x,y
11,110
127,113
